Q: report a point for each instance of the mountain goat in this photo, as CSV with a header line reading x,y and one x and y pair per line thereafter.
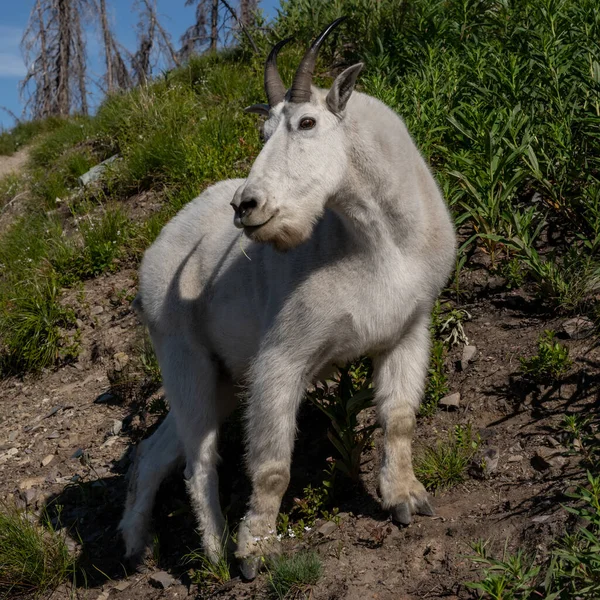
x,y
349,242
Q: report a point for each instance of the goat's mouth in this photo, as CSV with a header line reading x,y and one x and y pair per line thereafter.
x,y
249,230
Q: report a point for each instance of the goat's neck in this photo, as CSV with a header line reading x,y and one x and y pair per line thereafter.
x,y
379,202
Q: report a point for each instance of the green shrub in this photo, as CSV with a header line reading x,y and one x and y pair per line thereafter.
x,y
550,363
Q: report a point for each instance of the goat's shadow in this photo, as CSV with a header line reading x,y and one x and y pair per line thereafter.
x,y
90,510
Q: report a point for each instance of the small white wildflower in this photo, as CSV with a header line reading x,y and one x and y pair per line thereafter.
x,y
279,536
307,528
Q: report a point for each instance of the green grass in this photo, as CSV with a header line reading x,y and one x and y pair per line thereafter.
x,y
290,576
24,132
32,325
205,572
445,464
34,560
571,571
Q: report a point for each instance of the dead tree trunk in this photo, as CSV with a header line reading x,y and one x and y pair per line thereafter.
x,y
107,37
53,45
214,25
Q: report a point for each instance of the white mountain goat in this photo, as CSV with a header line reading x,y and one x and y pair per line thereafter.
x,y
350,242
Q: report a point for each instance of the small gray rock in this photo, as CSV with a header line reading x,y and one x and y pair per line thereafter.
x,y
513,458
120,360
162,580
47,460
490,461
97,310
468,356
578,328
327,529
451,401
116,427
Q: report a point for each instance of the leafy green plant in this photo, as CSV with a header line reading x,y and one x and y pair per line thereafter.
x,y
342,404
514,577
290,576
34,559
571,571
307,510
207,572
437,380
550,363
445,464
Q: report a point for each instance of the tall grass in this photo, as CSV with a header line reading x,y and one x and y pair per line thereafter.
x,y
34,560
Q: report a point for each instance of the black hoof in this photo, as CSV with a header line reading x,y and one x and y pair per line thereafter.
x,y
249,567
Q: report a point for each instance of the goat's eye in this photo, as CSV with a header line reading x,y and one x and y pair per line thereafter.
x,y
307,123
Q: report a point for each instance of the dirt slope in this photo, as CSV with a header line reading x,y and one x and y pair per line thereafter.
x,y
65,445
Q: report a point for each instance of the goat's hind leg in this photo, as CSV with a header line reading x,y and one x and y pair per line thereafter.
x,y
191,380
399,382
155,458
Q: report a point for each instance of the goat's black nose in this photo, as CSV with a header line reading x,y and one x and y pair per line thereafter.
x,y
246,207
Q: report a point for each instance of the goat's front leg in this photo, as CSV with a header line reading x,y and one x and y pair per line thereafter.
x,y
399,382
275,395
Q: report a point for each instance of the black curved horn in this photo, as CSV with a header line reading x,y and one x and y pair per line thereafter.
x,y
300,91
274,87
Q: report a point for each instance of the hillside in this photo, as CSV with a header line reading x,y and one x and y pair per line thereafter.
x,y
503,99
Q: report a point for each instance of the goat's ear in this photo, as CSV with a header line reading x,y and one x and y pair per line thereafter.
x,y
342,88
259,109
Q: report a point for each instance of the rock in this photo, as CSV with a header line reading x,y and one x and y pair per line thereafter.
x,y
103,595
95,172
123,585
78,453
106,398
327,529
47,460
547,458
30,482
79,323
513,458
12,436
468,356
97,310
53,435
485,463
496,283
451,401
120,360
578,328
8,454
29,496
162,580
541,518
116,427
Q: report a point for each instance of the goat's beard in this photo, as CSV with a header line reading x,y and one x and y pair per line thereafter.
x,y
284,236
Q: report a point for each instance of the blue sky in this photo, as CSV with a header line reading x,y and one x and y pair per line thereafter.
x,y
175,17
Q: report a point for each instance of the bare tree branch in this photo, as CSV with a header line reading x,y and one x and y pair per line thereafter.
x,y
241,25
